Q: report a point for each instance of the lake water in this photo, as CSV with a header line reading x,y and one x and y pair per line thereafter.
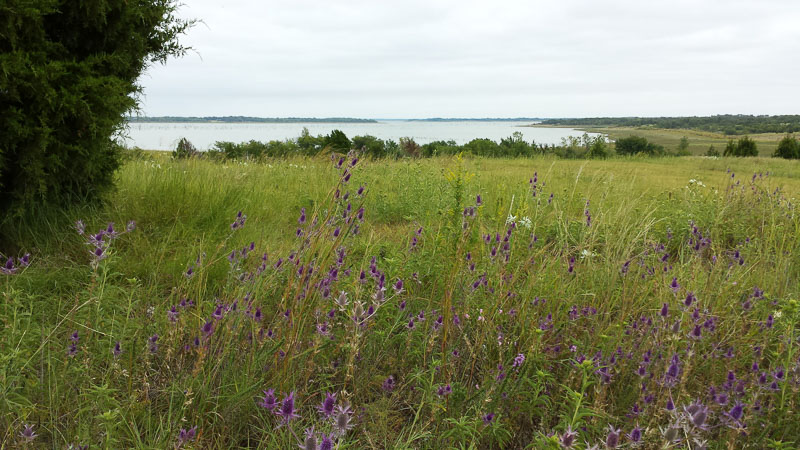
x,y
165,136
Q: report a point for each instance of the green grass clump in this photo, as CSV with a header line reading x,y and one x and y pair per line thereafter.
x,y
575,297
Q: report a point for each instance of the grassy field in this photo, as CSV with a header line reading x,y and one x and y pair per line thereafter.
x,y
646,302
699,141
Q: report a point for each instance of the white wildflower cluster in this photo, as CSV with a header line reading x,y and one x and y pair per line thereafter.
x,y
526,222
694,182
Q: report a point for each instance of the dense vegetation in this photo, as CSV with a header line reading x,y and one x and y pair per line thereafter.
x,y
437,303
370,146
743,147
584,147
788,148
247,119
68,73
726,124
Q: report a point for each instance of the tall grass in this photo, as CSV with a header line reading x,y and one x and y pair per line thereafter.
x,y
523,321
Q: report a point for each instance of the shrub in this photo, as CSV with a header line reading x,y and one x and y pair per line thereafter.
x,y
370,145
409,147
634,145
337,141
185,149
68,74
788,148
683,147
744,147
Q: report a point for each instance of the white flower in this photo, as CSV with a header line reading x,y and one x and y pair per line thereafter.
x,y
511,219
526,222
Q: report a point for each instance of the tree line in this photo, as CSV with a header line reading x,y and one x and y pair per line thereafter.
x,y
730,124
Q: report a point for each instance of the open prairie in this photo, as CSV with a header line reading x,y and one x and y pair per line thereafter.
x,y
436,303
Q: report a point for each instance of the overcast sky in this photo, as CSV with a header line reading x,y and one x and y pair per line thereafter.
x,y
431,58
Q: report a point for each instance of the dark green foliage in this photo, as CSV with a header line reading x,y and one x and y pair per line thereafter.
x,y
727,124
185,149
515,145
744,147
258,150
372,146
309,144
338,141
712,151
683,147
68,74
440,148
634,145
747,147
788,148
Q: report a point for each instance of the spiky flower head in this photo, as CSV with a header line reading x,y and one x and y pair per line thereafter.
x,y
187,435
27,434
269,402
567,439
286,410
342,420
612,439
327,408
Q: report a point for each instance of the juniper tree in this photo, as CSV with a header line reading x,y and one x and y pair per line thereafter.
x,y
68,77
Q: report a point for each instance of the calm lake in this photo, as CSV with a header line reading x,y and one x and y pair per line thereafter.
x,y
165,136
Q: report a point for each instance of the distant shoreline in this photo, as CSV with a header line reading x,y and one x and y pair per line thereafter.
x,y
246,120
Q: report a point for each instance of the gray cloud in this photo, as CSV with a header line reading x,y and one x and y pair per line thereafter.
x,y
476,59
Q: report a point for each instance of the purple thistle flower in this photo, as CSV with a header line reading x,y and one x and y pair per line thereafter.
x,y
478,200
326,441
341,420
665,310
612,439
208,328
674,285
488,418
310,441
302,218
443,391
690,298
328,405
736,412
218,313
152,343
187,435
518,360
635,435
269,402
117,350
388,384
172,314
286,410
398,286
27,434
567,439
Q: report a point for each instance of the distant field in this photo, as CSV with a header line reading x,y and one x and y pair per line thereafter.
x,y
699,141
573,300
